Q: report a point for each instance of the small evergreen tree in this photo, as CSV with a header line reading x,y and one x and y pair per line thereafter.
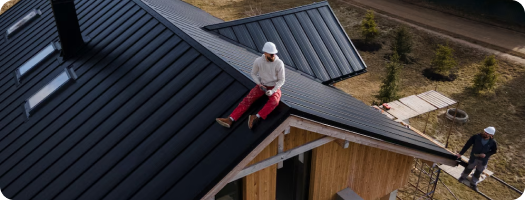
x,y
443,61
486,77
390,85
369,27
402,43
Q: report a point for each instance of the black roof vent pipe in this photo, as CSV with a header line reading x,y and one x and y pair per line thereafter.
x,y
71,39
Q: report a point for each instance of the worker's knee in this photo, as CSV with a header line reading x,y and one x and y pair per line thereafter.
x,y
477,173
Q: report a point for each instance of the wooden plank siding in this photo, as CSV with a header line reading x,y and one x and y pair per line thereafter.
x,y
370,172
262,184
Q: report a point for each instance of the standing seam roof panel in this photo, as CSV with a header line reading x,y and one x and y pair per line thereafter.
x,y
310,55
291,46
228,32
244,36
318,45
272,35
342,63
343,40
255,31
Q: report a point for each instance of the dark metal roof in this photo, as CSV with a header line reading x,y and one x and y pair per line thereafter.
x,y
138,121
309,38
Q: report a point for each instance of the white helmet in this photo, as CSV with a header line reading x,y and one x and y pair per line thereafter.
x,y
490,130
270,48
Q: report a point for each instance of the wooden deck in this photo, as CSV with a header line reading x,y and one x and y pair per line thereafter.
x,y
411,106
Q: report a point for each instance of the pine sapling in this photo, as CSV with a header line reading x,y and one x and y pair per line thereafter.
x,y
368,27
402,43
390,84
487,76
443,61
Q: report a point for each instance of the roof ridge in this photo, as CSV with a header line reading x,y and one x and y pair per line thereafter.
x,y
267,15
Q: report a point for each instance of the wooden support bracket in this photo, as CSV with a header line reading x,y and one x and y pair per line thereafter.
x,y
343,143
282,157
280,149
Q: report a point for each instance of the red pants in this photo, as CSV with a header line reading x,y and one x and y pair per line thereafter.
x,y
255,94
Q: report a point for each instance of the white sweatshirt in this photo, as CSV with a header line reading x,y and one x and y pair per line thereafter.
x,y
268,73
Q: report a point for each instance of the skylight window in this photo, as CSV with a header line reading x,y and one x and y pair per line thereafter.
x,y
23,22
35,60
48,90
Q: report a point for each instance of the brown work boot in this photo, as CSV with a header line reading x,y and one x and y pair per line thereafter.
x,y
226,122
252,121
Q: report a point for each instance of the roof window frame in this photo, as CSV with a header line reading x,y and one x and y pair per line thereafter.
x,y
31,109
23,22
56,49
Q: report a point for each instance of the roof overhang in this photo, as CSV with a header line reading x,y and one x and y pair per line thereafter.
x,y
331,131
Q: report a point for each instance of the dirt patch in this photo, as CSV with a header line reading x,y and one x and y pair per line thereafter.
x,y
8,5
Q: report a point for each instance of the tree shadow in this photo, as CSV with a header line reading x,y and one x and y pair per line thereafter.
x,y
361,45
431,75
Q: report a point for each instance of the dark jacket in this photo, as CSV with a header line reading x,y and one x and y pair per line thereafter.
x,y
488,149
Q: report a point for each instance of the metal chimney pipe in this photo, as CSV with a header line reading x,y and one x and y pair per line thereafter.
x,y
68,27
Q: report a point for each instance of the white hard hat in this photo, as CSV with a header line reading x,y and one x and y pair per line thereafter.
x,y
490,130
270,48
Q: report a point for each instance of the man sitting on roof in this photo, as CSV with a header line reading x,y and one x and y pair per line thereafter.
x,y
484,147
268,73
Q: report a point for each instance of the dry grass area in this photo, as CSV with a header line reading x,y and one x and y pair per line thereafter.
x,y
8,5
503,108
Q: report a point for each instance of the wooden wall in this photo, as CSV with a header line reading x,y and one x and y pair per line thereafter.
x,y
370,172
262,184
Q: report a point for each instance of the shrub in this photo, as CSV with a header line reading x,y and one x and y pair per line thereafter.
x,y
486,77
369,27
402,43
390,85
443,61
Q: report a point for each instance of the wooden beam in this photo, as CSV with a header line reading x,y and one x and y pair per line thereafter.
x,y
343,143
280,149
282,157
331,131
286,131
228,178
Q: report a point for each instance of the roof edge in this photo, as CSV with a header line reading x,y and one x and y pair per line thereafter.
x,y
344,77
267,15
299,113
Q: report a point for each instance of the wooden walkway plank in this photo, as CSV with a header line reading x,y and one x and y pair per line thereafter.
x,y
417,104
432,100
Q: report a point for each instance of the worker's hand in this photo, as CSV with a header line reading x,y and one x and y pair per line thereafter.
x,y
482,155
458,155
269,93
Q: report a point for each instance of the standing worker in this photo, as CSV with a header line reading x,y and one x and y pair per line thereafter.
x,y
268,73
484,147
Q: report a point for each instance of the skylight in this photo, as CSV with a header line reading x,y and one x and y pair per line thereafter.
x,y
49,90
24,21
43,54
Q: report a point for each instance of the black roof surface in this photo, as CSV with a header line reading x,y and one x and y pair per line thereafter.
x,y
309,39
138,123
